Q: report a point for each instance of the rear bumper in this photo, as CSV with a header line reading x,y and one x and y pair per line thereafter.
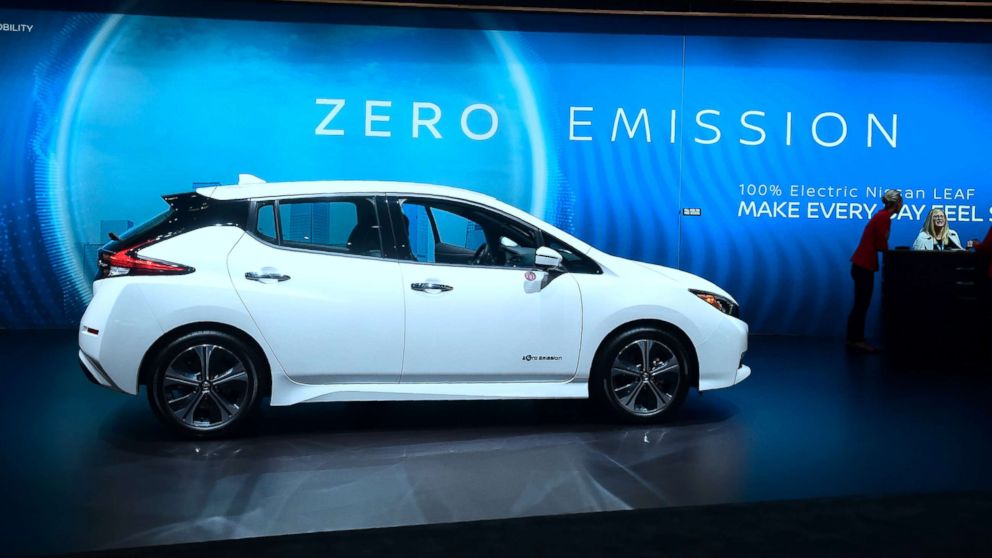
x,y
116,330
94,373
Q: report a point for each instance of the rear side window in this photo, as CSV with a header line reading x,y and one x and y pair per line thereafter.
x,y
342,225
266,222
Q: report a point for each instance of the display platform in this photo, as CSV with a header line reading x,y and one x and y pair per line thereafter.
x,y
907,525
89,469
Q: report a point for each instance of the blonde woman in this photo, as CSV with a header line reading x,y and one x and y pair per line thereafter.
x,y
936,235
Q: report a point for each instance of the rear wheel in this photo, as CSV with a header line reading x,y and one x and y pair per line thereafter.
x,y
205,384
642,375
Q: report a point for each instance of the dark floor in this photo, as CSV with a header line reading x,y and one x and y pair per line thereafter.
x,y
940,524
91,469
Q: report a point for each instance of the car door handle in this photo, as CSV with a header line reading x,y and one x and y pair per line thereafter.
x,y
424,287
252,276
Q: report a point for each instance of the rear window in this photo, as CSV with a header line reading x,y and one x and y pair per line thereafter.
x,y
186,212
142,229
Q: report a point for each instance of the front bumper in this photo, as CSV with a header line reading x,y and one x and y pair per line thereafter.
x,y
721,355
742,373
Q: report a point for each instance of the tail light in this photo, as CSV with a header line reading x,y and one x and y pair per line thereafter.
x,y
127,262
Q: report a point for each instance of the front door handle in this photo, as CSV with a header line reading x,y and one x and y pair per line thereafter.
x,y
260,277
424,287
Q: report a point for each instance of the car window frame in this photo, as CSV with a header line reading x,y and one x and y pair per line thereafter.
x,y
387,240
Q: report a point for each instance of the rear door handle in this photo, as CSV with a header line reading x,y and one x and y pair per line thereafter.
x,y
252,276
424,287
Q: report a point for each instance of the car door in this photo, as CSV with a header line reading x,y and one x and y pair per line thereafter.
x,y
312,276
470,316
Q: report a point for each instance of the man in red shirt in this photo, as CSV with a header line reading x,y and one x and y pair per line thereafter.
x,y
864,264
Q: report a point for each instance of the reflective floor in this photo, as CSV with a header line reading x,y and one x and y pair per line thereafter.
x,y
90,469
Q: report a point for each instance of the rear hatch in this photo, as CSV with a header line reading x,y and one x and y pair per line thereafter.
x,y
187,212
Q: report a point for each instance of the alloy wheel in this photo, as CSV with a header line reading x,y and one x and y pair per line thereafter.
x,y
205,387
645,377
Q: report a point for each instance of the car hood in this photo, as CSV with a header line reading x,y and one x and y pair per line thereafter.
x,y
681,278
689,280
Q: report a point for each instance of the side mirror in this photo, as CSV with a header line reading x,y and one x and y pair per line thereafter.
x,y
546,258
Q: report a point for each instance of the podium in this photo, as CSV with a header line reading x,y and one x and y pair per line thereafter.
x,y
936,307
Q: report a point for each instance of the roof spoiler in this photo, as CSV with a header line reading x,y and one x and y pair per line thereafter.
x,y
244,179
186,201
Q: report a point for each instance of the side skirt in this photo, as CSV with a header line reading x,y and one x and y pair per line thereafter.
x,y
302,393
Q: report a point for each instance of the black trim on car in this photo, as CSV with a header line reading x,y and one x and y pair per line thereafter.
x,y
277,219
387,229
187,212
97,370
593,267
87,373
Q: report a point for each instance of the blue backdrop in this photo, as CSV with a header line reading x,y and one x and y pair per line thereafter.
x,y
783,144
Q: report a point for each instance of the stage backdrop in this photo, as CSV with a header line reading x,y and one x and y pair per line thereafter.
x,y
752,161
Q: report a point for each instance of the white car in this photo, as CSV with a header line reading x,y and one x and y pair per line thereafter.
x,y
359,290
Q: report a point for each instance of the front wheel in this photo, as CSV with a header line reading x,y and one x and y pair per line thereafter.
x,y
205,384
642,375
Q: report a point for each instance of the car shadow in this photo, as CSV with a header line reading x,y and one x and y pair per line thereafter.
x,y
133,429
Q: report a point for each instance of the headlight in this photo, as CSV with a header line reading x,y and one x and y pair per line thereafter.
x,y
721,303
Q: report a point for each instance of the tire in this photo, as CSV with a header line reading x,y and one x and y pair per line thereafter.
x,y
212,406
621,387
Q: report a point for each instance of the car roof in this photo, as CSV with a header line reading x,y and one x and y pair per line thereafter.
x,y
268,190
274,190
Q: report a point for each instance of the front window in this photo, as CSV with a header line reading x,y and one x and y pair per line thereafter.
x,y
451,233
